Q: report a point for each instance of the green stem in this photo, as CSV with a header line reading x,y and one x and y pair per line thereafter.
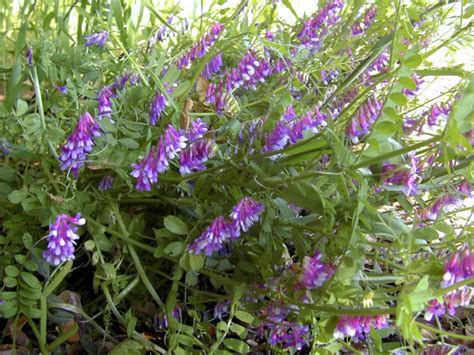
x,y
136,259
43,320
63,337
37,335
57,279
443,332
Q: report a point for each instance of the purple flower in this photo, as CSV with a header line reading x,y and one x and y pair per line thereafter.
x,y
437,112
98,38
160,33
221,309
328,76
315,28
146,172
289,114
198,130
157,106
192,158
174,141
412,93
244,214
29,56
338,104
277,138
309,122
213,238
359,326
459,267
217,94
213,66
5,147
395,174
288,334
61,238
434,308
314,272
250,72
122,80
61,88
104,97
79,144
270,35
200,48
362,26
362,121
106,183
448,202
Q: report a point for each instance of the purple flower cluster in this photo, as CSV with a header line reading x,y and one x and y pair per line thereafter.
x,y
362,121
411,93
5,147
61,238
338,104
317,27
197,130
459,267
79,144
159,35
278,330
292,129
106,183
193,158
437,112
328,76
105,95
158,105
200,48
369,17
449,202
250,72
314,272
99,39
359,326
61,88
244,214
397,174
213,66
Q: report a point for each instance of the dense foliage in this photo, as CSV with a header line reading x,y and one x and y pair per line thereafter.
x,y
235,182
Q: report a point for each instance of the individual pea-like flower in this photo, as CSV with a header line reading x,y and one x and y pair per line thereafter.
x,y
338,104
277,138
160,33
200,48
359,326
362,121
157,106
61,88
314,272
121,81
288,335
106,183
270,35
459,267
61,238
29,56
213,66
213,238
244,214
289,114
316,28
197,130
221,309
396,174
218,95
104,97
5,147
174,141
412,92
192,158
79,144
99,39
434,308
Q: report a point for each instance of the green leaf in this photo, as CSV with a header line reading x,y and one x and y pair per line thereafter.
x,y
239,330
129,143
413,61
174,248
398,98
244,316
12,271
192,262
237,345
30,280
17,196
175,225
21,107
